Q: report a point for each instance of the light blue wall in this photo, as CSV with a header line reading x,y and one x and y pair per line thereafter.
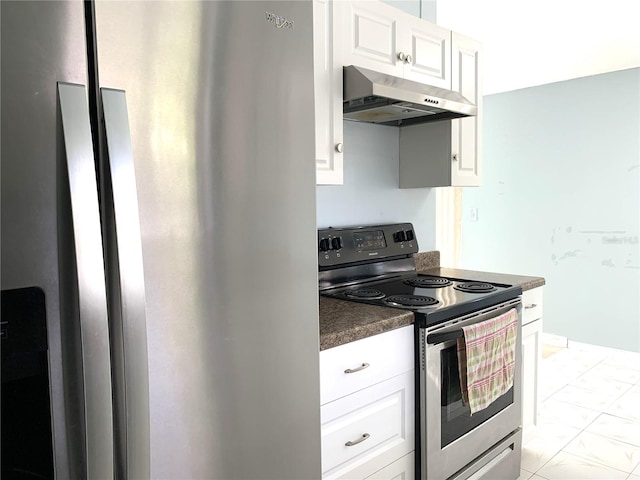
x,y
370,194
561,199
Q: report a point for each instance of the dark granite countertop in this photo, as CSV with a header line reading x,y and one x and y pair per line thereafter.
x,y
343,322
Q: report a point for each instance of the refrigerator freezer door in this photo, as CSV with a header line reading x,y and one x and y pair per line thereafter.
x,y
43,43
220,101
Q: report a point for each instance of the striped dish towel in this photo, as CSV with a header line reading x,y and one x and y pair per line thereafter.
x,y
486,359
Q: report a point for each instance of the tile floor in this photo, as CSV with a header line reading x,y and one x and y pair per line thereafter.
x,y
589,426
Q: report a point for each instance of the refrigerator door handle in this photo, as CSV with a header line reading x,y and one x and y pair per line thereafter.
x,y
126,291
92,303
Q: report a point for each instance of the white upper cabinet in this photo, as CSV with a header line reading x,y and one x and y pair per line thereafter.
x,y
328,93
466,132
369,36
448,153
385,39
376,36
428,47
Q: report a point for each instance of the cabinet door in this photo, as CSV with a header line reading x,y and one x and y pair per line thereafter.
x,y
370,36
428,47
466,152
369,429
328,93
531,359
425,155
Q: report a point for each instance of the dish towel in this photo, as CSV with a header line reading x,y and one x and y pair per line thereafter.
x,y
486,359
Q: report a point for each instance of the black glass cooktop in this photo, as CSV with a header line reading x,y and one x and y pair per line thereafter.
x,y
433,299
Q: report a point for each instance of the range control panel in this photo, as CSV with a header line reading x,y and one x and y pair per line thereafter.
x,y
339,246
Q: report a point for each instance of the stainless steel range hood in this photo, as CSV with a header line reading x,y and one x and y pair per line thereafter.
x,y
375,97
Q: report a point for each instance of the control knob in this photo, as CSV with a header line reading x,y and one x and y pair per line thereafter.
x,y
324,245
399,236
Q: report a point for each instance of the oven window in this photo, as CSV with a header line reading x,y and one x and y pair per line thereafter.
x,y
456,418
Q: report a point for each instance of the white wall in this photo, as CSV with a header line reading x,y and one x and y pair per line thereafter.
x,y
370,194
535,42
561,199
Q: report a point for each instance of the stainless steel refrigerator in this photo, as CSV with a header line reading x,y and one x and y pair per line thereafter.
x,y
158,228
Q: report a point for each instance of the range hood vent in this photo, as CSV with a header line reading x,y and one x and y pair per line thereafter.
x,y
375,97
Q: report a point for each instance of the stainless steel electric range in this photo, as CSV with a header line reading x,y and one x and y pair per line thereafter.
x,y
375,265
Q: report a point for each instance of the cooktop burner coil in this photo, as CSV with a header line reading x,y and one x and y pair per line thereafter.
x,y
411,301
428,282
364,293
475,287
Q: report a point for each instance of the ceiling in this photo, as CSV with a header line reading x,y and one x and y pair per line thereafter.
x,y
528,43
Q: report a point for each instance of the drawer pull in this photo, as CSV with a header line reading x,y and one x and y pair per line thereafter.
x,y
354,370
531,305
356,442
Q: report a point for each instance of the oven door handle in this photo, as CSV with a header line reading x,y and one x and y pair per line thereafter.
x,y
435,338
473,318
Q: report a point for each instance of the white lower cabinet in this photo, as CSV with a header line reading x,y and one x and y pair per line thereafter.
x,y
369,431
531,360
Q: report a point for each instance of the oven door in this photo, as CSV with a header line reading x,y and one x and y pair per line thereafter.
x,y
452,438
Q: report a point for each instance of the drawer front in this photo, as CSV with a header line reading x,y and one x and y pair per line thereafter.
x,y
366,431
531,305
351,367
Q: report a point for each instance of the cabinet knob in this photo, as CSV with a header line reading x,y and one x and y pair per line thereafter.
x,y
408,59
455,157
531,305
339,147
401,56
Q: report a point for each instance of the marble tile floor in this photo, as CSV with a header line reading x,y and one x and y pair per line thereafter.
x,y
589,422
